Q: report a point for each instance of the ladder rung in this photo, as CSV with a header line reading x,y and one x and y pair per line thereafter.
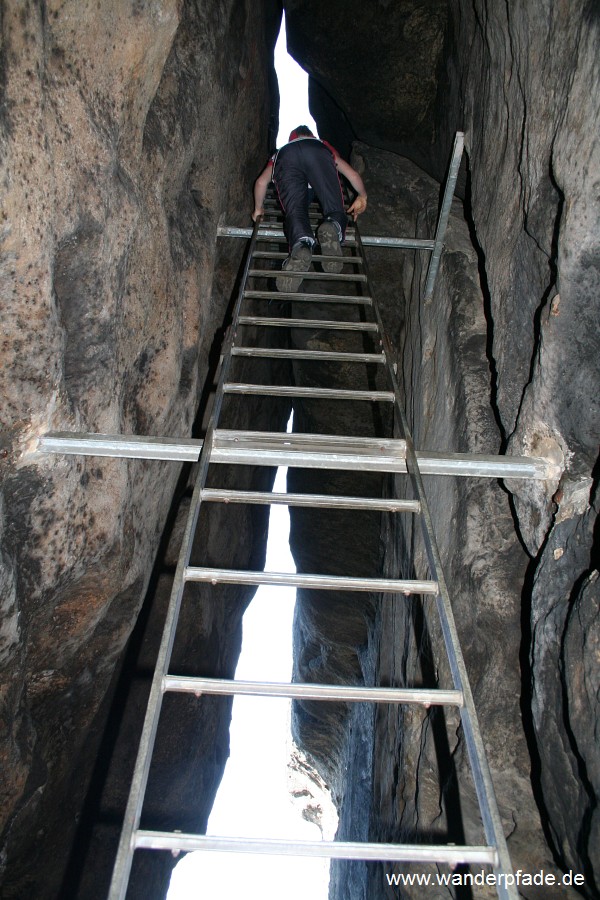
x,y
321,276
274,209
307,323
272,199
276,390
323,355
274,234
316,257
314,217
306,691
418,853
297,440
309,298
314,582
308,451
328,501
274,221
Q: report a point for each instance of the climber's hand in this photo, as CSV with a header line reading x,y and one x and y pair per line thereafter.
x,y
358,207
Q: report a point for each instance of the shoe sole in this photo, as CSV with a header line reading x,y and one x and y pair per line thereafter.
x,y
287,283
330,246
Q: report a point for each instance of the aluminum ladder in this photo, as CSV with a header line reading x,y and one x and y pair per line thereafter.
x,y
389,455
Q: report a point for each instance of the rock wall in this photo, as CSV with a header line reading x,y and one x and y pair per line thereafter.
x,y
114,178
374,70
422,787
505,358
528,103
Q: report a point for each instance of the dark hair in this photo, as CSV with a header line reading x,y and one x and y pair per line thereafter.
x,y
300,131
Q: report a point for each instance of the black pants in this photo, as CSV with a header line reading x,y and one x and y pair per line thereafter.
x,y
303,162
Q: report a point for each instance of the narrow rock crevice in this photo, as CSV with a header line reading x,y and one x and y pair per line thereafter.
x,y
487,308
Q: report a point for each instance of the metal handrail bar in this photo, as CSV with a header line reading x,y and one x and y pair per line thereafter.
x,y
442,224
368,240
188,450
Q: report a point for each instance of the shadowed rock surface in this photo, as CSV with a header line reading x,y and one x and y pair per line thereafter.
x,y
128,132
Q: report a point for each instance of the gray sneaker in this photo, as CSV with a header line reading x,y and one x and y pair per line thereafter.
x,y
329,239
298,261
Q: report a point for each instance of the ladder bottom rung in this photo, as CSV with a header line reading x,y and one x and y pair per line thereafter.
x,y
304,691
417,853
316,582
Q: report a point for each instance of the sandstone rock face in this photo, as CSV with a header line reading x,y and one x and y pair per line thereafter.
x,y
114,177
533,78
522,83
378,63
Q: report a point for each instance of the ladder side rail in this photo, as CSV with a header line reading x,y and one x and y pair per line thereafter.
x,y
434,259
482,777
124,858
484,787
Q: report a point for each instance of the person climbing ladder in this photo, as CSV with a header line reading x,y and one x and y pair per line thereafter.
x,y
306,163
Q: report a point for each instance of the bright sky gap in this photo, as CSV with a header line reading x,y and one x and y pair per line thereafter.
x,y
293,91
